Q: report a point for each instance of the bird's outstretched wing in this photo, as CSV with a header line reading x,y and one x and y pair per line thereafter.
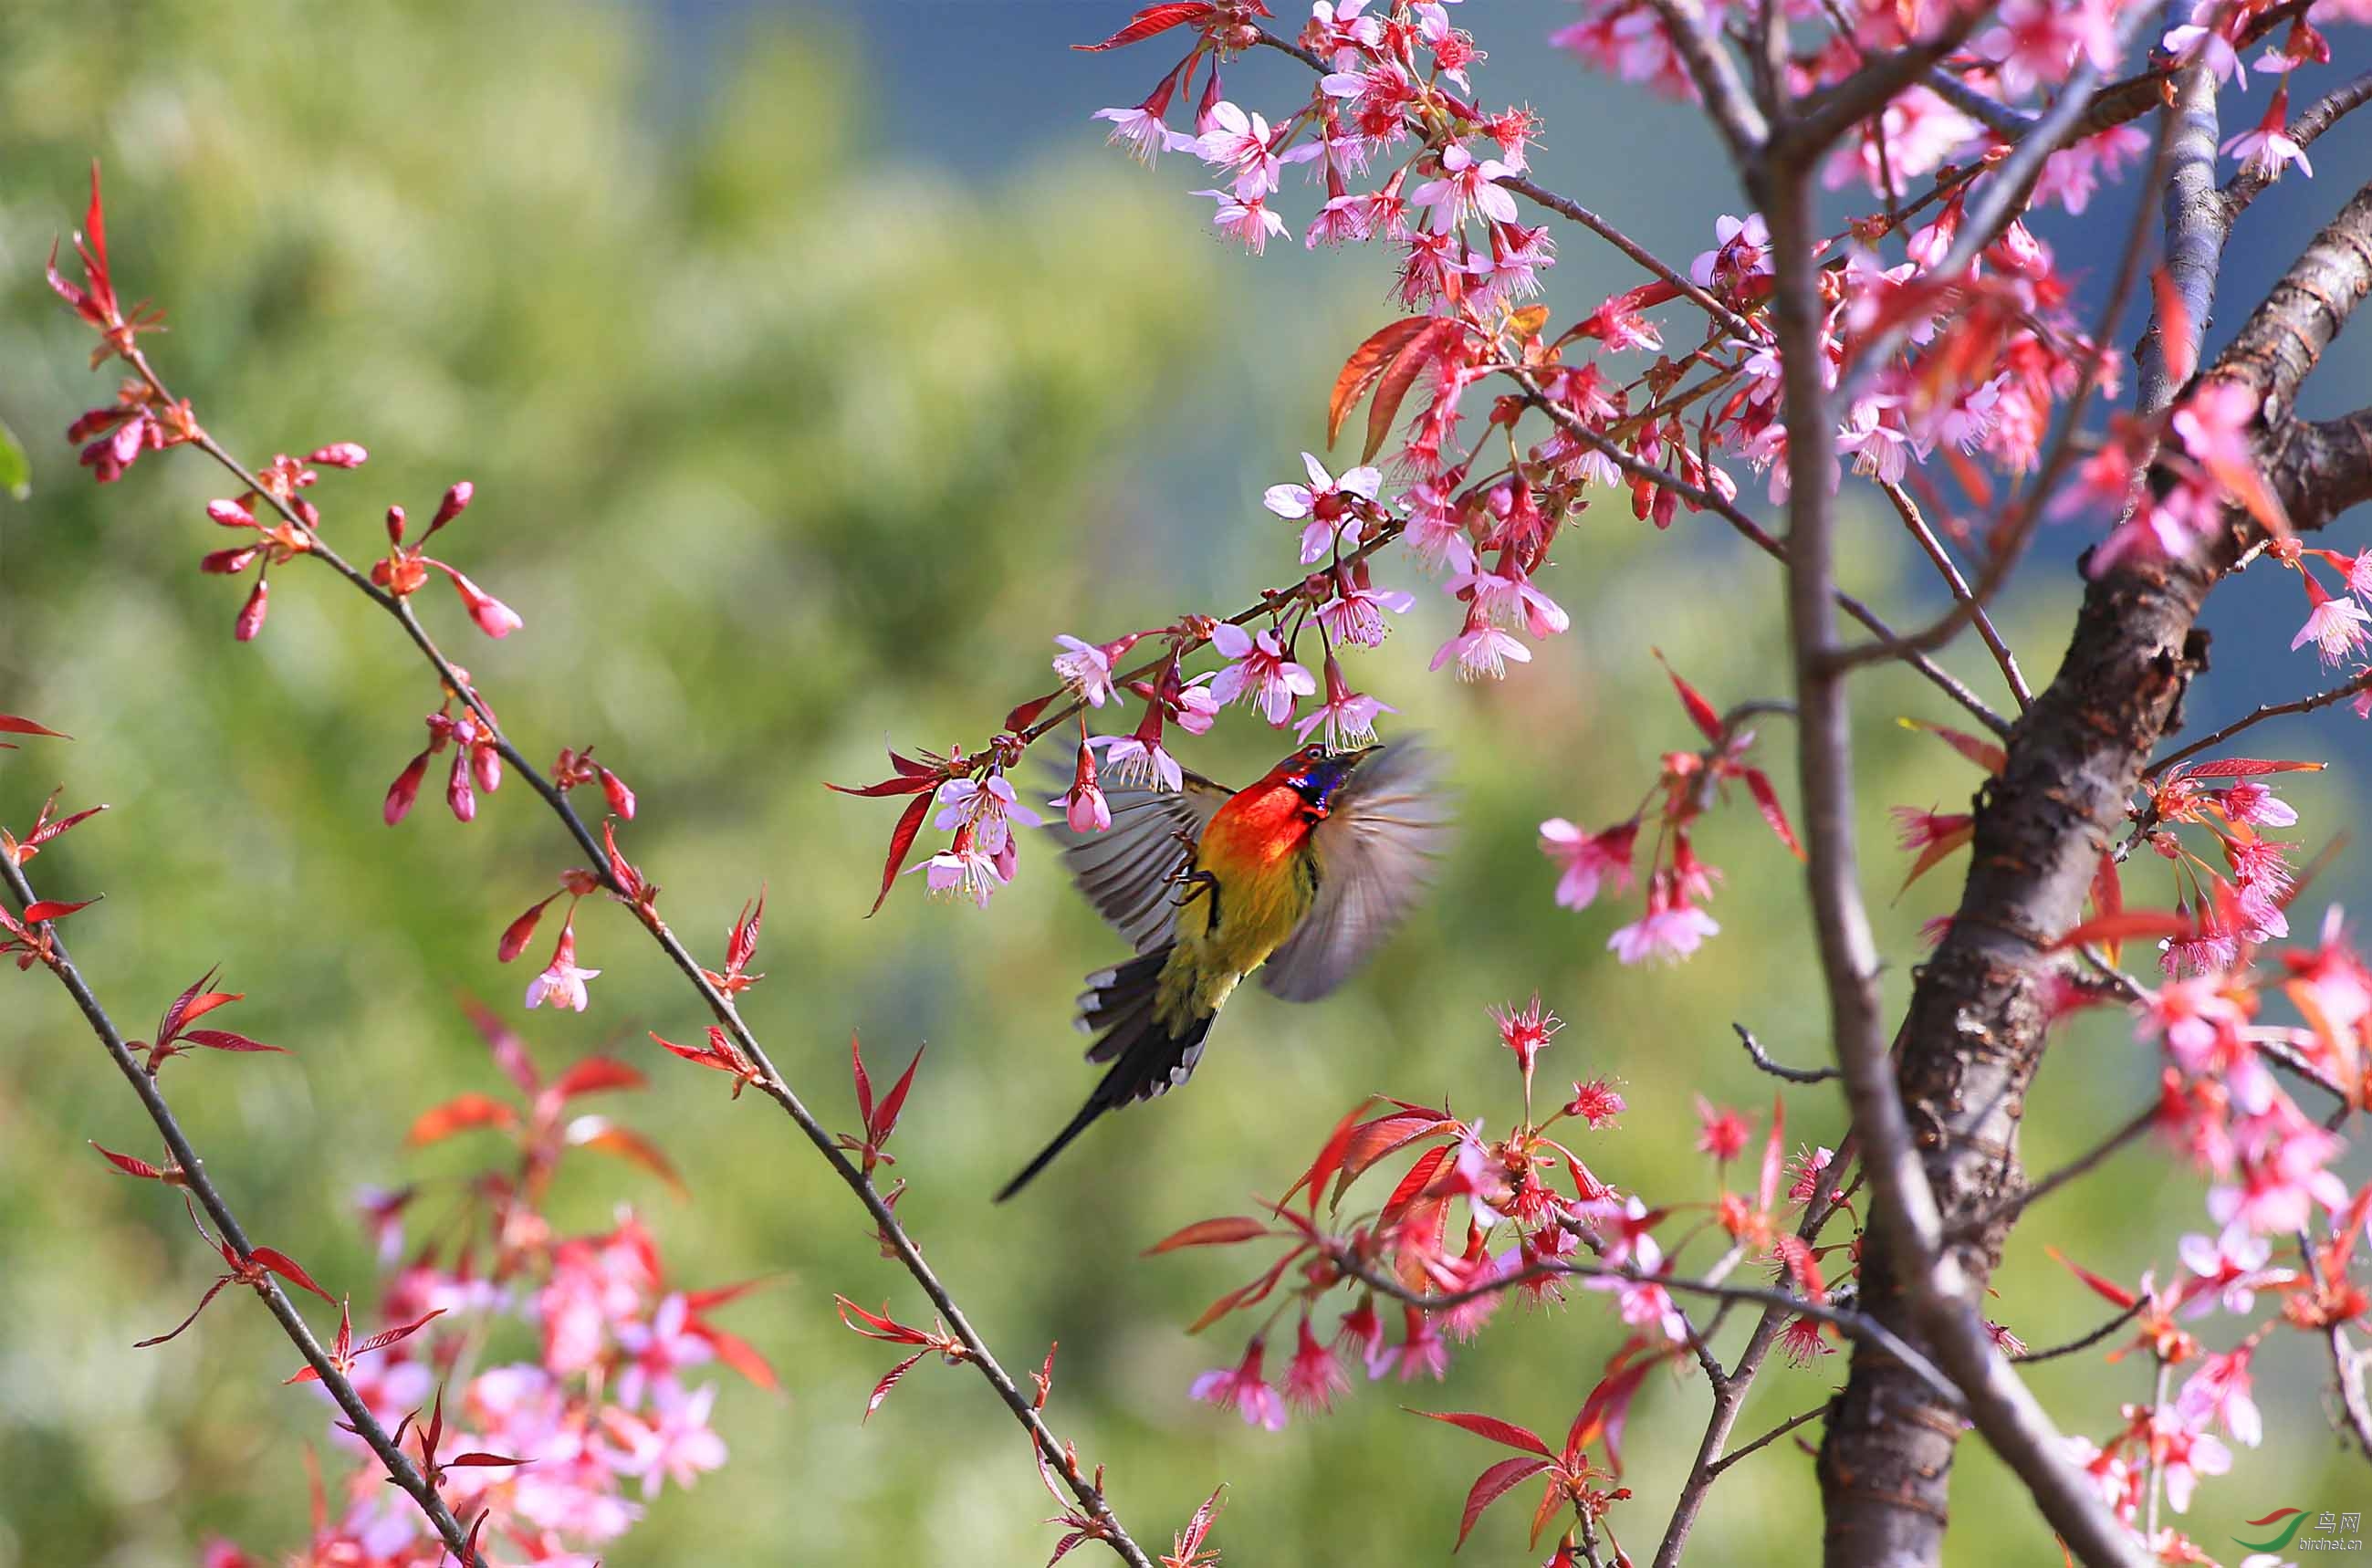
x,y
1127,871
1375,852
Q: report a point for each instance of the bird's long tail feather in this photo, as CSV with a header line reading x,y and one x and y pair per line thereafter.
x,y
1148,1055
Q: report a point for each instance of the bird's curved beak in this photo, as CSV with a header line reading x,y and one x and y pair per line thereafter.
x,y
1353,758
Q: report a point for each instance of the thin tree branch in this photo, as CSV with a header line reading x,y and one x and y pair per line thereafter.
x,y
2034,1192
1761,1059
2193,220
1819,119
1776,1432
2073,1346
769,1081
199,1185
2338,693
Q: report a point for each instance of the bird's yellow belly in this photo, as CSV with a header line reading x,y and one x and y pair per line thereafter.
x,y
1227,929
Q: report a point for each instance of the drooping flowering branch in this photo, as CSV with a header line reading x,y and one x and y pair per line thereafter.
x,y
256,1268
148,416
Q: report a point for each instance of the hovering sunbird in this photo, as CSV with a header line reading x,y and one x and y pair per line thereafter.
x,y
1301,876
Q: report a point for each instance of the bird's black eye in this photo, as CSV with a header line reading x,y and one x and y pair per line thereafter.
x,y
1314,753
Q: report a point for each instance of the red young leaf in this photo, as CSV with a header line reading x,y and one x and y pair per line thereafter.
x,y
1365,363
1492,1427
130,1165
1330,1157
1225,1231
2128,922
1150,21
509,1050
2178,343
11,724
907,786
2108,897
864,1080
1700,713
594,1074
1492,1485
890,1381
1400,374
2244,767
742,944
287,1269
460,1114
2108,1290
53,908
1774,1157
1758,783
740,1356
1604,1413
884,1119
1985,754
902,839
1418,1176
387,1337
475,1459
880,1325
225,1039
1937,852
601,1134
1384,1137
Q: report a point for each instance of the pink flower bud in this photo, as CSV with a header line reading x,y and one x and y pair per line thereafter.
x,y
494,618
457,501
405,789
228,562
230,515
487,764
250,615
520,932
340,454
1084,806
622,799
395,525
457,794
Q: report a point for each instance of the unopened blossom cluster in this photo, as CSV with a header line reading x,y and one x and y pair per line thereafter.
x,y
1460,1219
551,1385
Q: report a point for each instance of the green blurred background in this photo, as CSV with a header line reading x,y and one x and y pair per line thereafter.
x,y
815,369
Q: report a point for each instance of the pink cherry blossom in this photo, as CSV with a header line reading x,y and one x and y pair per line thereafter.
x,y
1243,1389
1261,674
562,984
1588,859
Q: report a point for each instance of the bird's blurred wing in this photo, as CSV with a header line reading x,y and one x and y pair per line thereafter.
x,y
1126,870
1375,852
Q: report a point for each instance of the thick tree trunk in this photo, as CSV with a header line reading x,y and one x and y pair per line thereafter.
x,y
1974,1035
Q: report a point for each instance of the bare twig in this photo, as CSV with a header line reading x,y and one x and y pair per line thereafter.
x,y
2034,1192
199,1185
2194,223
1776,1432
1761,1059
2077,1345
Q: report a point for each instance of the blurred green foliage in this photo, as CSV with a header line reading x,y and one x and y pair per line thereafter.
x,y
780,449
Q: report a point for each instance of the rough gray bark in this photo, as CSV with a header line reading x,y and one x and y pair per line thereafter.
x,y
1974,1035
